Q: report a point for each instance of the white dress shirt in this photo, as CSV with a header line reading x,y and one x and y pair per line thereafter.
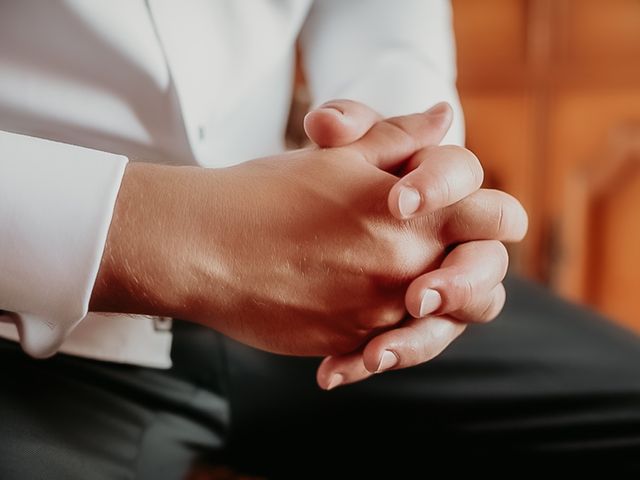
x,y
86,85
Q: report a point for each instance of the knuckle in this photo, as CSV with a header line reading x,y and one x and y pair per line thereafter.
x,y
421,348
413,349
469,160
487,314
491,311
503,216
494,306
394,129
401,256
512,220
437,338
438,192
464,290
380,318
388,316
475,167
501,221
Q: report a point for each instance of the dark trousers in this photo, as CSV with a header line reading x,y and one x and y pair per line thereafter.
x,y
547,387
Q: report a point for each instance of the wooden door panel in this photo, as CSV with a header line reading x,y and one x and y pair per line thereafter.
x,y
580,124
490,31
616,256
603,32
599,259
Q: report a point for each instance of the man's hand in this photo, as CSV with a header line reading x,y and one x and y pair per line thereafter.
x,y
295,253
468,284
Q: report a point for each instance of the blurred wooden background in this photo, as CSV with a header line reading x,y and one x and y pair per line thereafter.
x,y
551,93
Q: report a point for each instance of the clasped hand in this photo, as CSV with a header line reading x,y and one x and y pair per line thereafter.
x,y
375,248
467,286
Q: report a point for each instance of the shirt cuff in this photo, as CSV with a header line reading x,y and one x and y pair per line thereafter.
x,y
56,204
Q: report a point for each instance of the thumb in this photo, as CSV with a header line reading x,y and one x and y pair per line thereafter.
x,y
339,122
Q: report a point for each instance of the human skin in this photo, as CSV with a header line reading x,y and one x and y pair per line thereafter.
x,y
296,253
467,288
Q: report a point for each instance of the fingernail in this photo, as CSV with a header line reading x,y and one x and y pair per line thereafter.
x,y
431,301
335,381
438,109
331,109
408,201
338,114
387,360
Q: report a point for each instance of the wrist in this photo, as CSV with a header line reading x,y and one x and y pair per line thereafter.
x,y
145,264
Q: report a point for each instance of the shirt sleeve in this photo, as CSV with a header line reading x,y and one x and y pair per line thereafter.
x,y
397,57
56,203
